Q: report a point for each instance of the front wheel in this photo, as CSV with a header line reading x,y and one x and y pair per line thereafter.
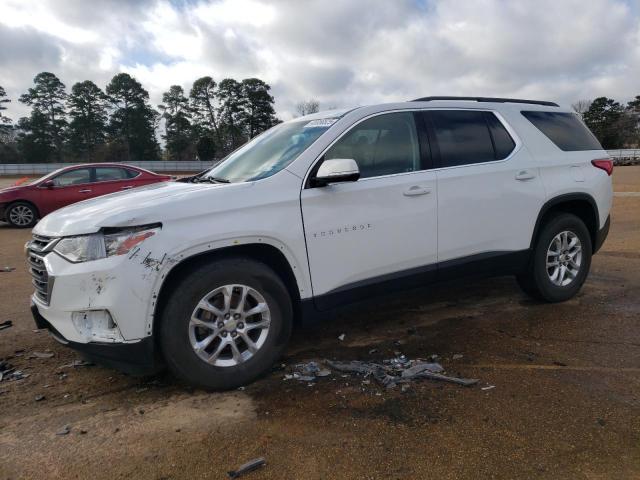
x,y
226,324
560,261
21,215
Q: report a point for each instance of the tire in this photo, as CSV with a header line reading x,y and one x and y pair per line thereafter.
x,y
21,215
180,334
550,284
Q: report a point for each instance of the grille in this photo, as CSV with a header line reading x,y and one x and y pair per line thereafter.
x,y
36,251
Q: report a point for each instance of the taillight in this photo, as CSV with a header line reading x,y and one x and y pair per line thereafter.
x,y
605,164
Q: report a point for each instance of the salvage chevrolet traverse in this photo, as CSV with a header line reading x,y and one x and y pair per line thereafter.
x,y
210,276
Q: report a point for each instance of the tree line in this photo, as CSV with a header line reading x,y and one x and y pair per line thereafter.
x,y
614,124
119,123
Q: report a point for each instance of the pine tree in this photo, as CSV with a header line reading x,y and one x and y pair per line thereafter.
x,y
203,102
177,114
47,101
5,122
231,114
604,117
87,107
258,114
133,120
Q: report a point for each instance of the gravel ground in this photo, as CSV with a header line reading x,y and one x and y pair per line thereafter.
x,y
566,402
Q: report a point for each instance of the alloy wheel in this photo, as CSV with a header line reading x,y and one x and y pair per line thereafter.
x,y
564,257
229,325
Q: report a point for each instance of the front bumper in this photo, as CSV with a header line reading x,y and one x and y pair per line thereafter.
x,y
136,358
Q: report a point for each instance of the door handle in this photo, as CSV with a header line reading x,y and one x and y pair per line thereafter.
x,y
525,175
416,190
126,187
84,191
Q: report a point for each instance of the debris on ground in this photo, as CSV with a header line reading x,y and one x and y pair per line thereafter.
x,y
8,372
247,467
341,337
78,363
64,430
307,372
489,387
7,269
6,324
457,356
39,398
398,370
41,355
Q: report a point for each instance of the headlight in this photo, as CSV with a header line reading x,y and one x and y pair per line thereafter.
x,y
85,248
81,249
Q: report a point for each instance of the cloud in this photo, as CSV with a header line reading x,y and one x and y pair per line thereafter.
x,y
343,53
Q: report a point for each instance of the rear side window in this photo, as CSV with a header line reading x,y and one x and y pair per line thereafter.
x,y
132,173
565,130
105,174
468,137
502,141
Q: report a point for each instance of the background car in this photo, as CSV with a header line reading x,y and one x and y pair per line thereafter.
x,y
21,206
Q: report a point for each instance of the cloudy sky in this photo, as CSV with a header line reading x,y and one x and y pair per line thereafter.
x,y
341,52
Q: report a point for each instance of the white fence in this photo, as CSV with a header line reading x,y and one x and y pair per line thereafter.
x,y
15,169
625,153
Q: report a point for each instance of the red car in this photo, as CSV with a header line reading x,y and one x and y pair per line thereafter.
x,y
21,206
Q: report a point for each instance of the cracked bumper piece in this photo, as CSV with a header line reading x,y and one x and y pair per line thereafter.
x,y
137,358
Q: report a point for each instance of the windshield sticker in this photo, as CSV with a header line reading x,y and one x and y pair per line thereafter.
x,y
322,122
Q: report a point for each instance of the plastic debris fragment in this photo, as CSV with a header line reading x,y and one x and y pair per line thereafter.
x,y
247,467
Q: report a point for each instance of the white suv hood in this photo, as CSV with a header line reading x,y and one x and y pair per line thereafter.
x,y
149,204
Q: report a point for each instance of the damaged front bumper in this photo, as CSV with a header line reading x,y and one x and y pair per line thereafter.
x,y
137,358
103,308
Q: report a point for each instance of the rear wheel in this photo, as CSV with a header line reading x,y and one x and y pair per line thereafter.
x,y
21,215
561,260
226,324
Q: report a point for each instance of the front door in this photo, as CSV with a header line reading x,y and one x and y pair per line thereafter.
x,y
69,187
366,236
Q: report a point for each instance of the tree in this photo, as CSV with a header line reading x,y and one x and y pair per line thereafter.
x,y
5,122
87,107
581,106
203,100
34,140
47,100
230,113
259,114
308,106
633,114
177,115
132,120
604,117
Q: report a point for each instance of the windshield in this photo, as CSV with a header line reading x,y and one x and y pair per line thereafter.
x,y
270,152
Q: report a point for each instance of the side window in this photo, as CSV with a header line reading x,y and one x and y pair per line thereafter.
x,y
382,145
502,141
73,177
566,130
105,174
132,173
463,137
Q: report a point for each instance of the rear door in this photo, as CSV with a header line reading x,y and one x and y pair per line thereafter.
x,y
112,179
489,187
381,228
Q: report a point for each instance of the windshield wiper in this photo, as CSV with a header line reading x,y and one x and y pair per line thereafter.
x,y
214,180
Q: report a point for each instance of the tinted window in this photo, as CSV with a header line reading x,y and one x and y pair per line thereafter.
x,y
131,173
105,174
502,141
463,137
566,130
73,177
381,145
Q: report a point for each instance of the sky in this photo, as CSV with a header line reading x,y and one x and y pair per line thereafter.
x,y
341,52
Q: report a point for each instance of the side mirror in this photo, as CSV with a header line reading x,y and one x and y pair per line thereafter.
x,y
336,170
48,184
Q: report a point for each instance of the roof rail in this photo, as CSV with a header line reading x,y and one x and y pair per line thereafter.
x,y
489,99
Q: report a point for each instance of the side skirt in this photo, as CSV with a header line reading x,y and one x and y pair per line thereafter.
x,y
487,264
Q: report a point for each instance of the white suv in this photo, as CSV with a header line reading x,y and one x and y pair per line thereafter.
x,y
209,276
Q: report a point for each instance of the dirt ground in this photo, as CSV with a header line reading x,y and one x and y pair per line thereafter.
x,y
566,402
